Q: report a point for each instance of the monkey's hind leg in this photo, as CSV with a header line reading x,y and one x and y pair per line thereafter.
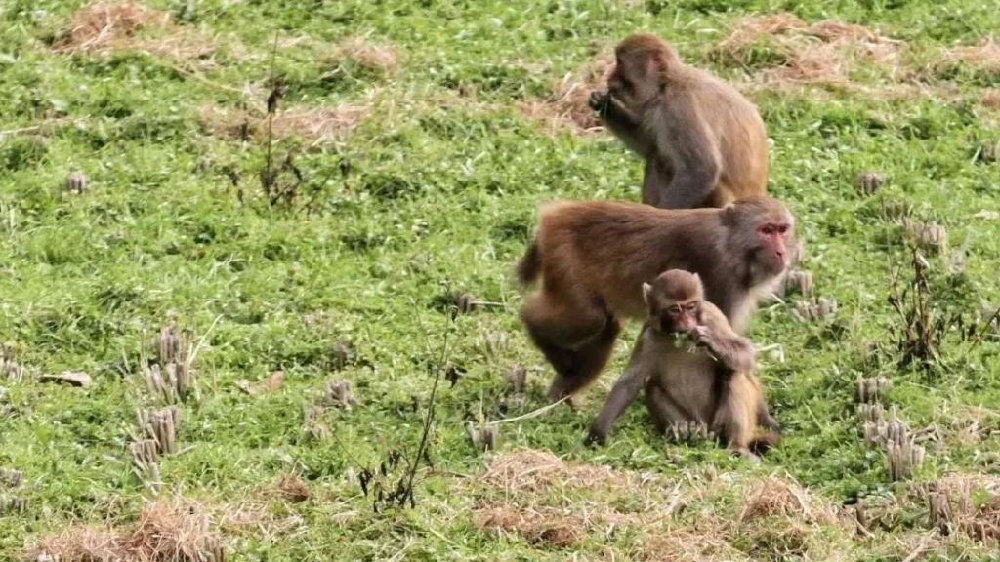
x,y
575,338
587,361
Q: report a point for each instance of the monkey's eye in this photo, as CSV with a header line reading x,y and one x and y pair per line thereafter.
x,y
691,306
767,229
675,309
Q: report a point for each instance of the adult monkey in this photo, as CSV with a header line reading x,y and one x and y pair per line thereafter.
x,y
593,258
711,381
704,144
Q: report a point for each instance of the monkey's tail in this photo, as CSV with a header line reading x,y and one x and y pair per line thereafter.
x,y
530,265
764,442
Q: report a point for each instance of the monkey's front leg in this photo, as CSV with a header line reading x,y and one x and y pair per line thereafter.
x,y
622,394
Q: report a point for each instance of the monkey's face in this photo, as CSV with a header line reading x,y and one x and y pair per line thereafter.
x,y
679,317
774,238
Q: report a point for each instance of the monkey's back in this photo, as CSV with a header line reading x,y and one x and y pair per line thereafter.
x,y
741,133
611,248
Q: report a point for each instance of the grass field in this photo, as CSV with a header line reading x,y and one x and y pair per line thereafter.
x,y
409,149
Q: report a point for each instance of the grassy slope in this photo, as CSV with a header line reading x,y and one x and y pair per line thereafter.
x,y
438,196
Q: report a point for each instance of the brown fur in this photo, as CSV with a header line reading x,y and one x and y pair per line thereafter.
x,y
704,144
593,258
713,383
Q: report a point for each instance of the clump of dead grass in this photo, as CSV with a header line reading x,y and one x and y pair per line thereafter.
x,y
990,98
818,53
106,27
83,544
696,542
529,470
568,106
773,497
315,124
174,530
535,525
985,55
544,499
366,54
291,488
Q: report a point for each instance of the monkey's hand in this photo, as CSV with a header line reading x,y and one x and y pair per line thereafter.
x,y
598,100
701,335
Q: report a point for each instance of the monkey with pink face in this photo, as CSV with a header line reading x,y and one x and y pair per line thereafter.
x,y
592,259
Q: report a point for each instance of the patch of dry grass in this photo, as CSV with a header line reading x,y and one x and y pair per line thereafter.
x,y
567,107
168,530
695,542
291,488
106,27
529,470
818,53
366,54
535,525
174,529
775,497
315,124
985,55
546,500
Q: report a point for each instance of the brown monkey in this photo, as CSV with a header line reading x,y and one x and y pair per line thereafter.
x,y
711,382
704,144
593,258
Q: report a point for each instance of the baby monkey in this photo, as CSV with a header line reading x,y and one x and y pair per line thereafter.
x,y
711,381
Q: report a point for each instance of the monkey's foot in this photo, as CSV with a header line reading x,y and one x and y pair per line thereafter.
x,y
746,454
595,438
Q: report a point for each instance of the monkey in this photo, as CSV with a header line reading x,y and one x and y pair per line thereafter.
x,y
703,143
593,257
712,383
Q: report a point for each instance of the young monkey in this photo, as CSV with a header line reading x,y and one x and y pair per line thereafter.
x,y
711,383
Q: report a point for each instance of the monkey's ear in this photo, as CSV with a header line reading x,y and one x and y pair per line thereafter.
x,y
697,278
646,290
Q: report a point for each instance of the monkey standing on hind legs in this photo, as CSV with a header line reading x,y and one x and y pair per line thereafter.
x,y
593,258
704,143
712,383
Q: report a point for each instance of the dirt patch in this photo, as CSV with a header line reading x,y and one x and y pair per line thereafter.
x,y
318,124
366,54
568,107
175,530
785,49
106,27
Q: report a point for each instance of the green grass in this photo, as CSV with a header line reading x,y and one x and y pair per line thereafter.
x,y
433,194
